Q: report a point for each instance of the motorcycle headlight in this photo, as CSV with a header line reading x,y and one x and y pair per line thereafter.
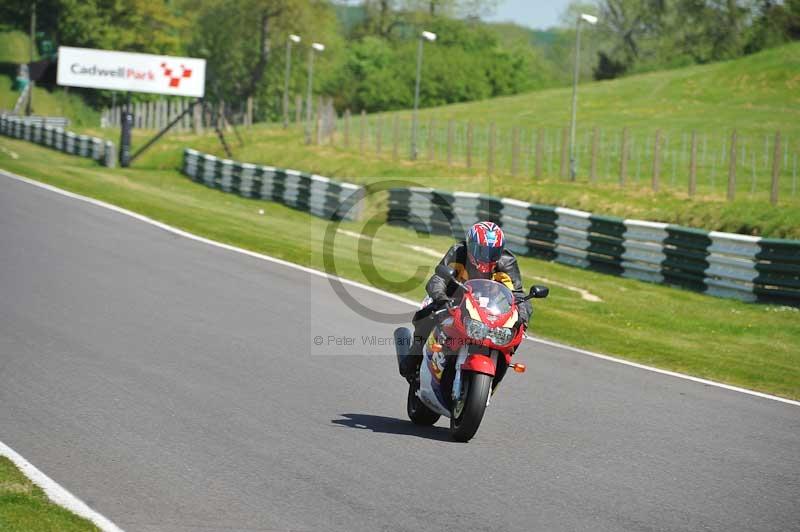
x,y
475,329
500,335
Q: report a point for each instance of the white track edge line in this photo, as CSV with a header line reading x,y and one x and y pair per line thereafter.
x,y
378,291
57,493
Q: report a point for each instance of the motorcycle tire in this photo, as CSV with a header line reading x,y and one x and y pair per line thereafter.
x,y
418,413
471,407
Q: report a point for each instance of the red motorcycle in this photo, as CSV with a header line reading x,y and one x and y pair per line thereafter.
x,y
467,354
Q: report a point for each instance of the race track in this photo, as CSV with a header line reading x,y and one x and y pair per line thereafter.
x,y
175,386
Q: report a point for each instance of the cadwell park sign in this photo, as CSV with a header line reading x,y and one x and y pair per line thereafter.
x,y
125,71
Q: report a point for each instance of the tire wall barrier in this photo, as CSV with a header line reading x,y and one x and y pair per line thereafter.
x,y
60,139
314,194
728,265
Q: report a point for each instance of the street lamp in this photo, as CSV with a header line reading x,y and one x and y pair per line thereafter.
x,y
319,48
424,36
591,19
292,39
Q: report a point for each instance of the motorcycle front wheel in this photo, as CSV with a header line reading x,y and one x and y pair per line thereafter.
x,y
468,410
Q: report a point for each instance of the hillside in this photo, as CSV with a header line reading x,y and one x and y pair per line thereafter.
x,y
14,50
756,95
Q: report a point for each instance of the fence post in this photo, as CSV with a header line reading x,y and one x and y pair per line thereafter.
x,y
469,144
198,119
623,155
593,166
656,161
379,135
347,128
732,169
693,166
431,147
450,134
395,138
490,148
514,151
564,152
249,117
362,131
298,108
776,169
539,152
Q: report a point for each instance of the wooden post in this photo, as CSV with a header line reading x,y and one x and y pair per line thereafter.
x,y
732,169
362,131
378,135
515,151
469,144
221,115
776,169
431,147
539,152
490,152
249,117
564,153
396,138
693,166
656,162
198,119
623,155
450,135
593,166
347,128
298,108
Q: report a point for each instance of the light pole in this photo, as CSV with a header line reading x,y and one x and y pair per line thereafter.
x,y
591,19
296,39
424,36
318,47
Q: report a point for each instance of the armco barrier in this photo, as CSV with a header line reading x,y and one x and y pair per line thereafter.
x,y
721,264
55,137
315,194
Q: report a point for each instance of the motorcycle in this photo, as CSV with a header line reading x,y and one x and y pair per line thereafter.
x,y
466,355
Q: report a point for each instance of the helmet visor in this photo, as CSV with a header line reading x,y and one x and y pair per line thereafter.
x,y
484,254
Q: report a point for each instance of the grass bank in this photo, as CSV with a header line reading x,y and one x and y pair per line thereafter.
x,y
754,346
24,507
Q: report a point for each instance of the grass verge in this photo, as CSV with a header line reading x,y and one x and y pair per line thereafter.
x,y
24,507
753,346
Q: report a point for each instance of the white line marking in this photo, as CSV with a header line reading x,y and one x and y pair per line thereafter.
x,y
374,290
56,493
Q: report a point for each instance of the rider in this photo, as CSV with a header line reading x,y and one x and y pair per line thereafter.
x,y
482,255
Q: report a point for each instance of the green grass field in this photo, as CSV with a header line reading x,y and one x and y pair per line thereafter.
x,y
743,344
24,507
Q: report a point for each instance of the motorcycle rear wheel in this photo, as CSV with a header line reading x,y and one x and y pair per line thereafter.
x,y
418,413
469,409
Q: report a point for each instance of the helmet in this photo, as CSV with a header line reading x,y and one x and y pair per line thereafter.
x,y
485,245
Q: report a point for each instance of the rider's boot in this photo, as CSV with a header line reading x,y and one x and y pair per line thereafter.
x,y
413,360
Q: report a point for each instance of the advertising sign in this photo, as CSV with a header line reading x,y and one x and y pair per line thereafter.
x,y
125,71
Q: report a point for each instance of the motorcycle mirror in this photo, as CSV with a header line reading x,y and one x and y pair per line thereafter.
x,y
538,292
445,272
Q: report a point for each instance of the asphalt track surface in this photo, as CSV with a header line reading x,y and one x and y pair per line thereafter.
x,y
175,386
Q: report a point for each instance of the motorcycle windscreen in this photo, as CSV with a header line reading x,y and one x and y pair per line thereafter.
x,y
491,296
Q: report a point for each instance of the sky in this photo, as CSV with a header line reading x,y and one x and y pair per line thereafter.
x,y
539,14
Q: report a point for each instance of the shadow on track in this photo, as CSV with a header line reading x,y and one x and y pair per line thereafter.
x,y
391,425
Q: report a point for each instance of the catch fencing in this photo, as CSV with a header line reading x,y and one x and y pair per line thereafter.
x,y
317,195
58,138
729,265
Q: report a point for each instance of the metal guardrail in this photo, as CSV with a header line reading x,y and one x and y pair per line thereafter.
x,y
314,194
728,265
60,139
